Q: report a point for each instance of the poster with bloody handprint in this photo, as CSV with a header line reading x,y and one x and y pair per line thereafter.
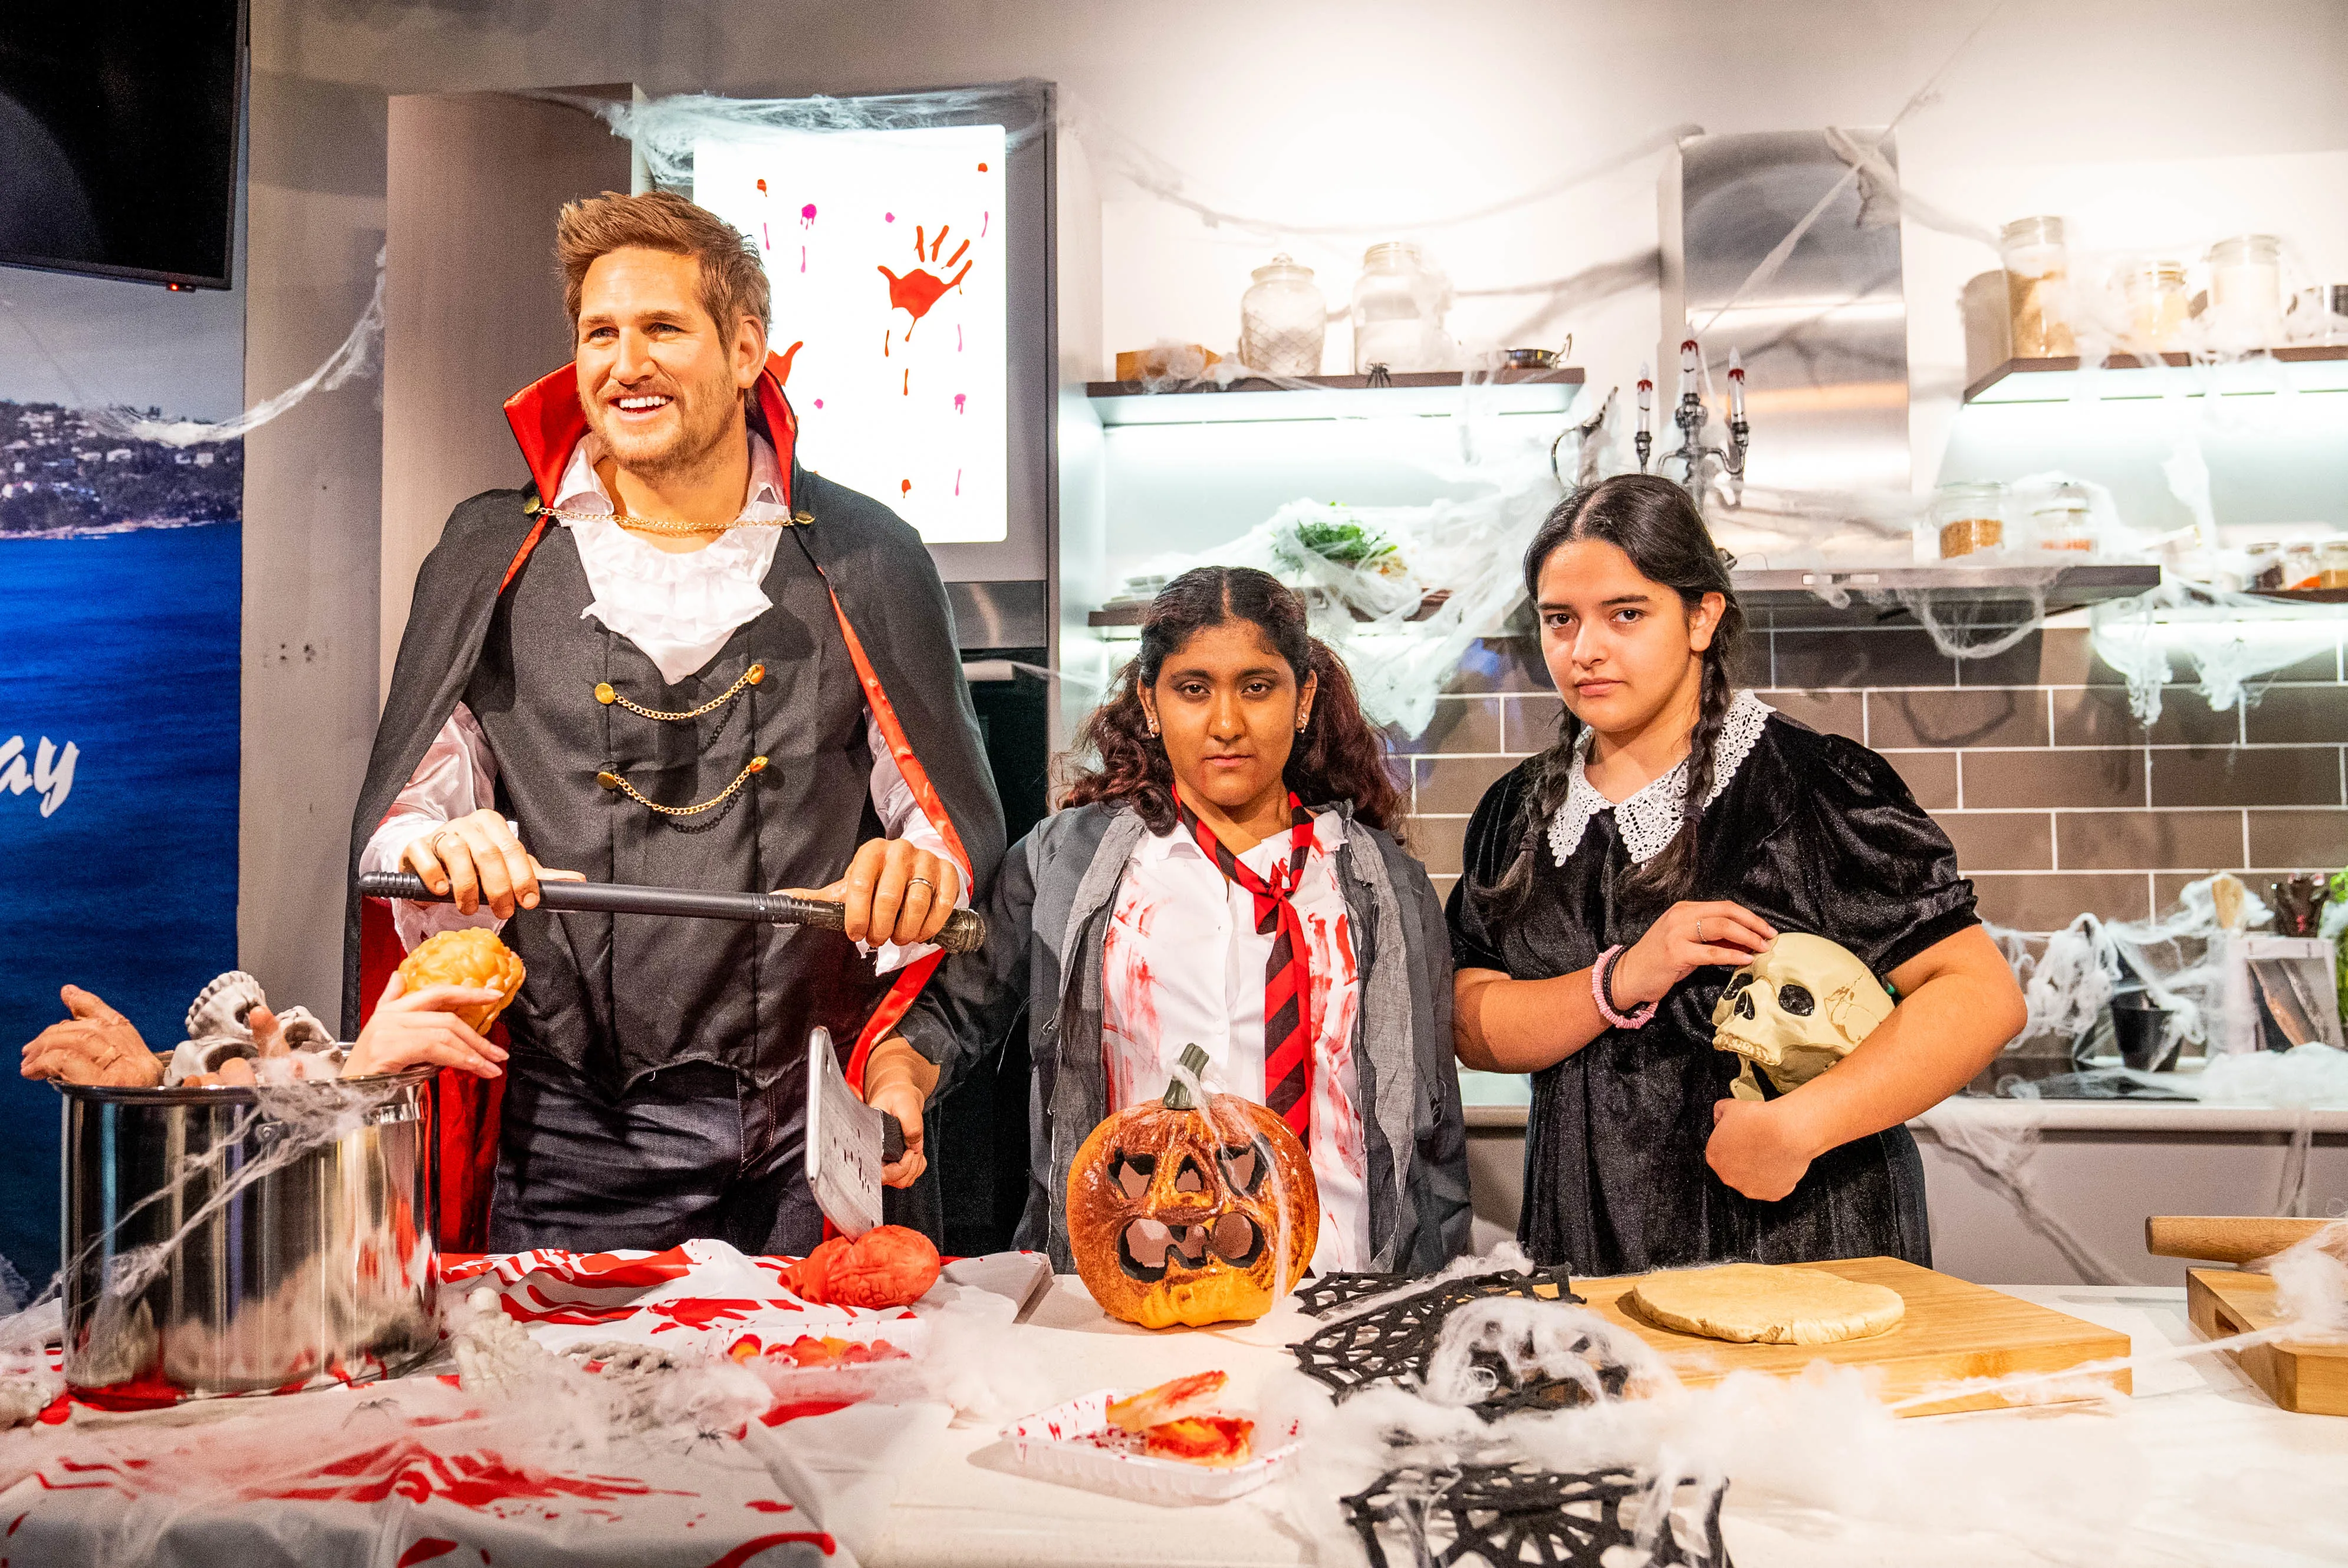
x,y
886,252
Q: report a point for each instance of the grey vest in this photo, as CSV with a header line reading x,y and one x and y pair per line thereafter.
x,y
615,997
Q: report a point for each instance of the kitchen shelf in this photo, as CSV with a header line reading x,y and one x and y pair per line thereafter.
x,y
1795,594
2306,367
1424,393
1129,611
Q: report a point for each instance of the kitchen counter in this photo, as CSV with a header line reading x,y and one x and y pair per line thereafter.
x,y
2095,1167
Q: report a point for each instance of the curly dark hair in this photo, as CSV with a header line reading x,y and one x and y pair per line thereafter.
x,y
1338,756
1656,524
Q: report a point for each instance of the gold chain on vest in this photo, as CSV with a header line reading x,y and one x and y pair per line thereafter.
x,y
606,694
612,780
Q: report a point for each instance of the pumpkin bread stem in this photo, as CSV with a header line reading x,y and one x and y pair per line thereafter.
x,y
1191,1069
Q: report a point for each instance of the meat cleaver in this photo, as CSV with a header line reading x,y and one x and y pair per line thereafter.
x,y
848,1142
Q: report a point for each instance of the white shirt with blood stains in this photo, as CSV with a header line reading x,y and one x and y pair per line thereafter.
x,y
1182,963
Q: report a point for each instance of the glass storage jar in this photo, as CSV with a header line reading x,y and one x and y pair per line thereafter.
x,y
2159,306
2246,291
2037,266
1283,321
2333,562
2062,520
1399,302
1969,518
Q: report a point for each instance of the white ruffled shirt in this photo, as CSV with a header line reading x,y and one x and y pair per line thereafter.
x,y
679,609
1650,819
1182,963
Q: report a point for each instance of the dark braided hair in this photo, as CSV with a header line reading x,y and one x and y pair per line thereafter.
x,y
1653,521
1337,755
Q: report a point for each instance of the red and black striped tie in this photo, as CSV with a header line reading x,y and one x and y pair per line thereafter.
x,y
1287,974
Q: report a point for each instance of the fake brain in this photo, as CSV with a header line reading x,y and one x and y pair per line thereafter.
x,y
471,958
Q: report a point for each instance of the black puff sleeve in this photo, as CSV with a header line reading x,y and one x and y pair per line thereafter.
x,y
1888,874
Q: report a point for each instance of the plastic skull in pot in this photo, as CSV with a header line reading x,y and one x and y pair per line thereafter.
x,y
1798,1007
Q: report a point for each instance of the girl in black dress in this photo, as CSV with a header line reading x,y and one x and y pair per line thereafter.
x,y
1673,830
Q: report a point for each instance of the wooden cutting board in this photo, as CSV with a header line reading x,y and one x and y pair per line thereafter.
x,y
2310,1379
1952,1329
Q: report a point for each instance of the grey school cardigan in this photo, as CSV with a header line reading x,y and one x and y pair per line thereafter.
x,y
1053,898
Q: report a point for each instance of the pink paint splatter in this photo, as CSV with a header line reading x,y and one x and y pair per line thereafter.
x,y
957,337
767,237
957,481
961,398
807,215
982,219
803,258
887,218
819,402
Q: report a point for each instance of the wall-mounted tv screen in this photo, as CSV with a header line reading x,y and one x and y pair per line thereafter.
x,y
119,134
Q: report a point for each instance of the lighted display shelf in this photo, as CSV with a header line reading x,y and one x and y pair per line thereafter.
x,y
1424,393
1122,612
2305,368
1805,594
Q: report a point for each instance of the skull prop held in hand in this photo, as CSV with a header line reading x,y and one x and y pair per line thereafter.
x,y
1180,1213
1798,1009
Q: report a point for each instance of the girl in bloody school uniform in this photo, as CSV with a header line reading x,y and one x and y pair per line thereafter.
x,y
1222,874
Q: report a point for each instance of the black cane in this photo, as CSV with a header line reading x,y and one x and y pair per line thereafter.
x,y
964,930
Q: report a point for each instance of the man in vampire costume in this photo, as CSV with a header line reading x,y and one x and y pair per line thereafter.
x,y
677,657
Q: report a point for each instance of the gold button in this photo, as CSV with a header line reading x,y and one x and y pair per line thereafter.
x,y
608,779
530,508
803,519
757,673
757,764
604,694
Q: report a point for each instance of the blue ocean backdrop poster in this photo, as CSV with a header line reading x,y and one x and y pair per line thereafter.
x,y
119,603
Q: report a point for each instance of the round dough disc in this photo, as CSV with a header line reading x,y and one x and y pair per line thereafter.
x,y
1768,1303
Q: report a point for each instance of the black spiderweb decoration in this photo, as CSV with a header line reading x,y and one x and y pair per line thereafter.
x,y
1328,1292
1393,1343
1502,1515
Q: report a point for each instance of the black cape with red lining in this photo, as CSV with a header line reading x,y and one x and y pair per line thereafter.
x,y
893,614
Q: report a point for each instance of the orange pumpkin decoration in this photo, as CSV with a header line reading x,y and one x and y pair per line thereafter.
x,y
1179,1214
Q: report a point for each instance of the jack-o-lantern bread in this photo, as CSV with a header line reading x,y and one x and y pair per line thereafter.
x,y
1190,1214
473,958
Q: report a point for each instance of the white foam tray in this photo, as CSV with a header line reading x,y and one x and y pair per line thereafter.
x,y
1074,1444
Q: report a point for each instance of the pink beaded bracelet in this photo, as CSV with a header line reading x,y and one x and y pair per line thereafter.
x,y
1598,973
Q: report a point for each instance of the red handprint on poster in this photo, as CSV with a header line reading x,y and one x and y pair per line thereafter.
x,y
920,289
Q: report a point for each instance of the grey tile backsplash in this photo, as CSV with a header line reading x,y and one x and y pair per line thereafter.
x,y
2057,800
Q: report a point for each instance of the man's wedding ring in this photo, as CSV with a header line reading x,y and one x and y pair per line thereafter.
x,y
1699,929
911,882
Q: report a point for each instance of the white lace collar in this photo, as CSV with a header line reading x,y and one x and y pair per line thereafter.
x,y
678,608
1649,819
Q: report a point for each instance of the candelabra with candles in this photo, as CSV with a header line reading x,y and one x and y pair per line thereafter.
x,y
1694,456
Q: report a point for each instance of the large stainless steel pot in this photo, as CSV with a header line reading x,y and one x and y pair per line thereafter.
x,y
236,1241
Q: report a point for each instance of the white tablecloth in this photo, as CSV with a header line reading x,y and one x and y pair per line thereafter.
x,y
2197,1420
2200,1443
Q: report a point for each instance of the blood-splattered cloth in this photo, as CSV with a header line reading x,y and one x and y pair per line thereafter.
x,y
700,1297
1183,962
422,1469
